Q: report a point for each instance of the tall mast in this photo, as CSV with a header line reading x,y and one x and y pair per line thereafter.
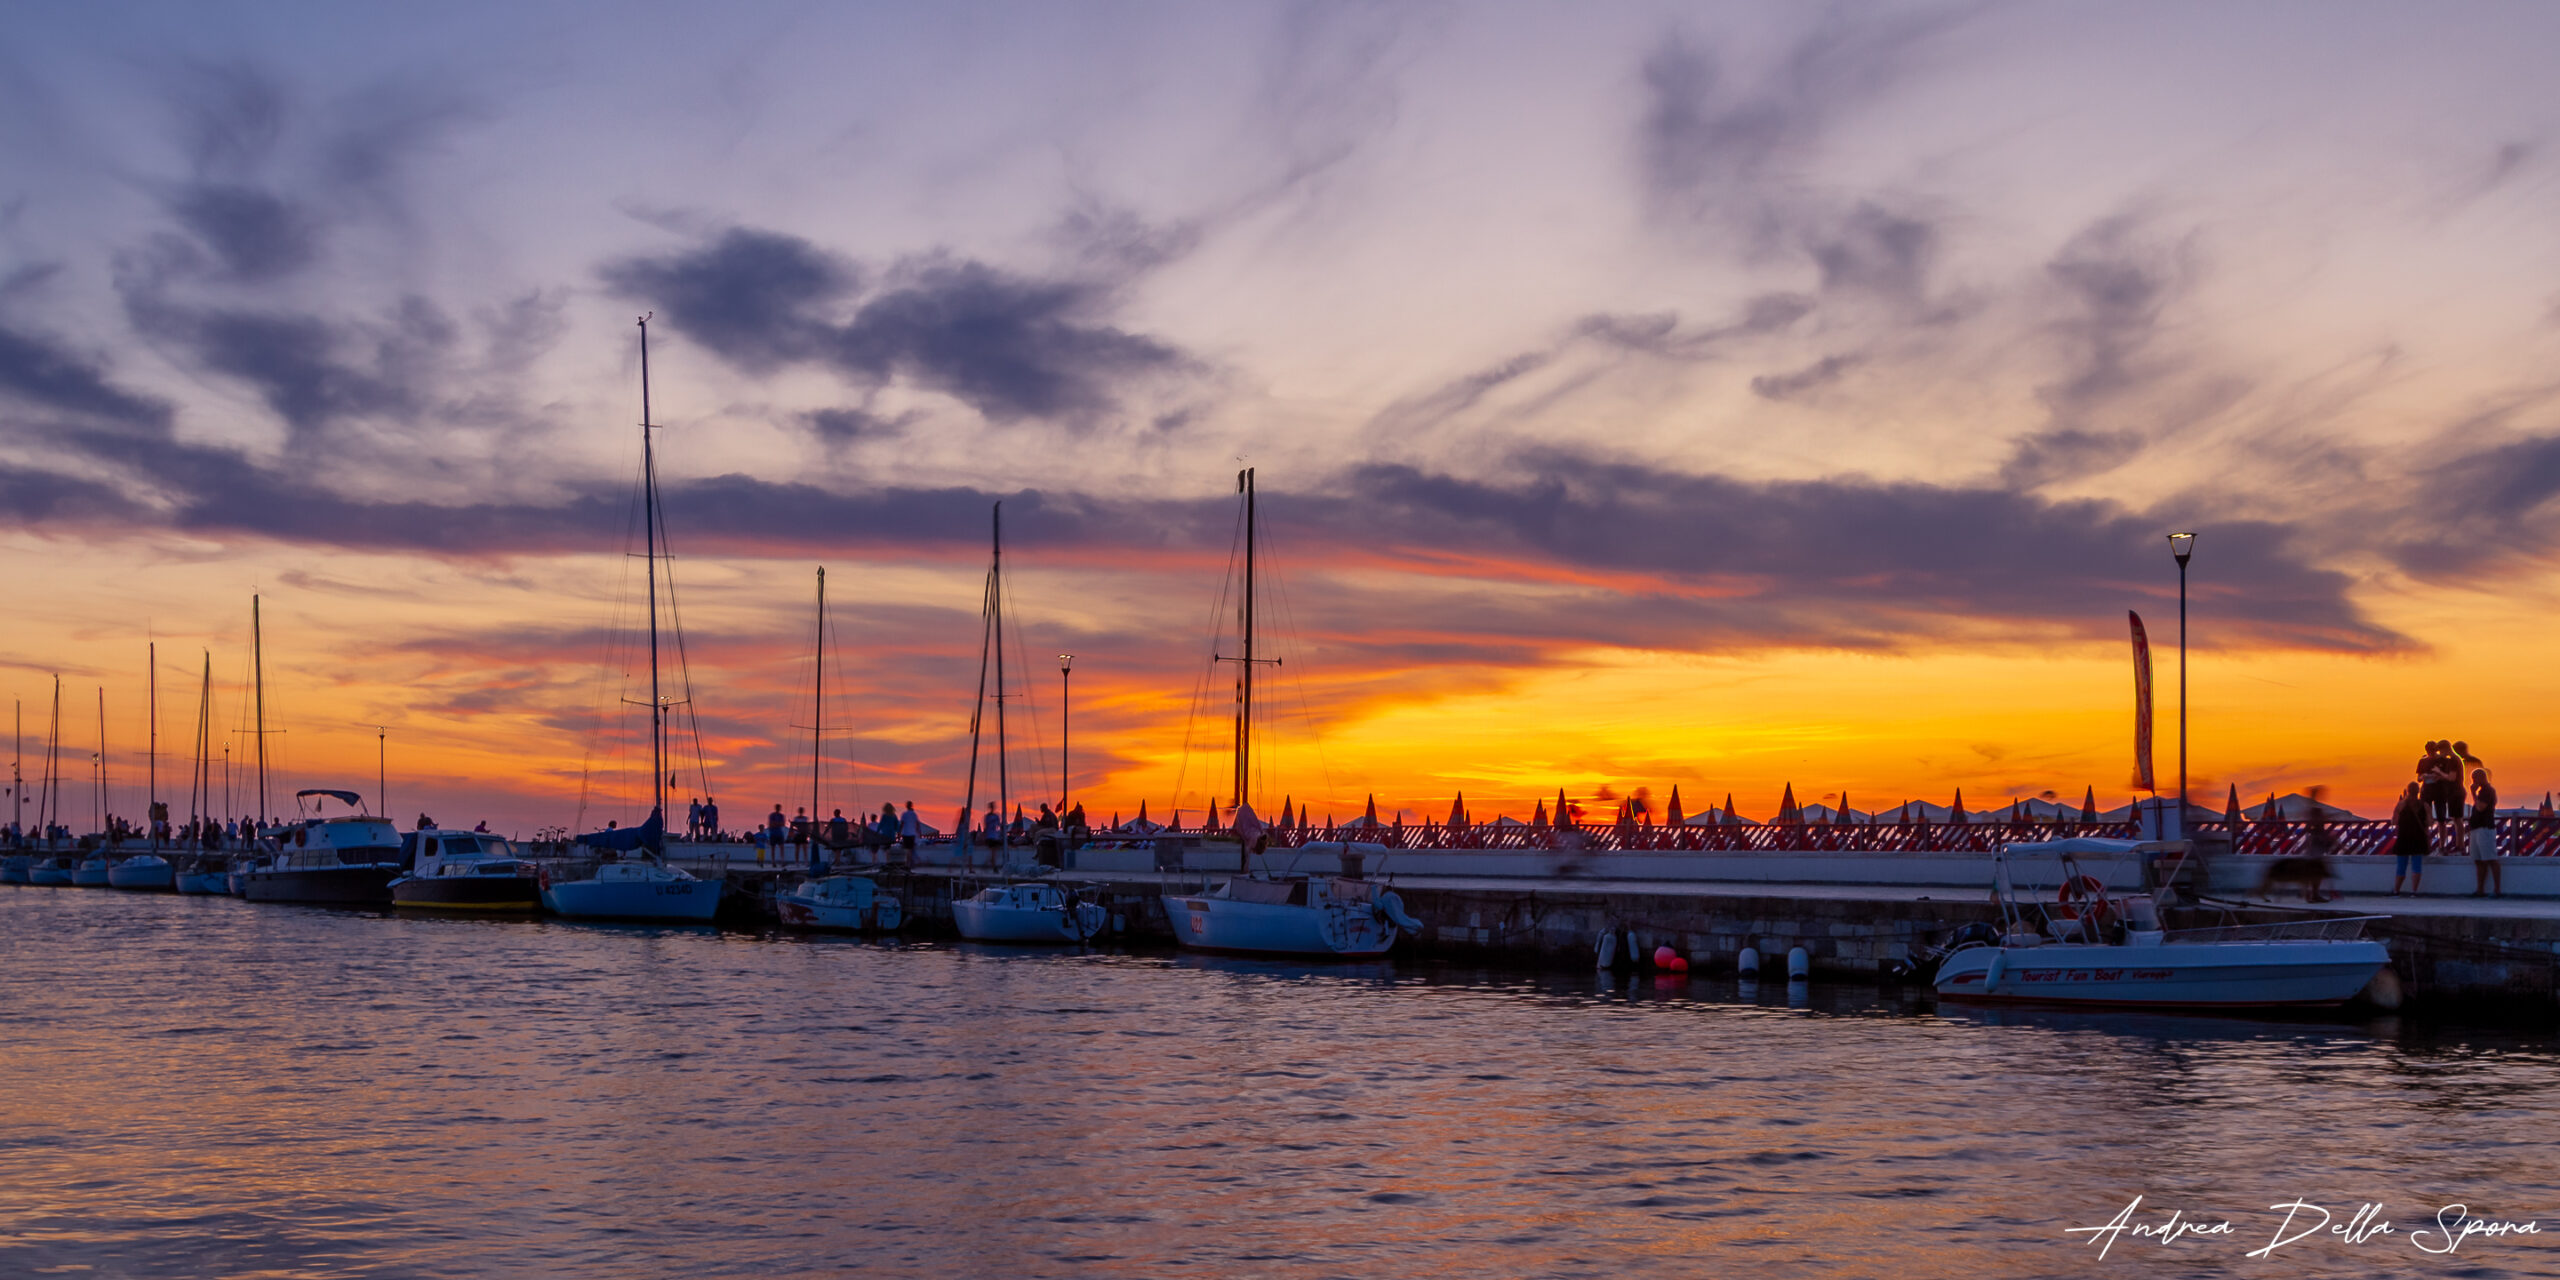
x,y
818,724
151,803
978,709
200,787
17,766
995,604
649,517
258,665
1244,669
99,771
50,812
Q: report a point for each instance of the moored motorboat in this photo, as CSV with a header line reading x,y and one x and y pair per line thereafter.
x,y
2093,948
148,871
467,871
845,904
1028,911
92,872
53,869
347,860
14,868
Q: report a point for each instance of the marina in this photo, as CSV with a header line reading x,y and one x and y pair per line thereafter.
x,y
1117,1111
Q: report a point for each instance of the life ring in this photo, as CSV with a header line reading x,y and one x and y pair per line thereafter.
x,y
2083,895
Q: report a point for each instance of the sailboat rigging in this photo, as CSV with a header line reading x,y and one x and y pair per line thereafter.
x,y
1259,912
640,886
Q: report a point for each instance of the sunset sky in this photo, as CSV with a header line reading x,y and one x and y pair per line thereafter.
x,y
1714,396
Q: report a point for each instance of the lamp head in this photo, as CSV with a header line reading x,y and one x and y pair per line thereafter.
x,y
2182,545
1065,660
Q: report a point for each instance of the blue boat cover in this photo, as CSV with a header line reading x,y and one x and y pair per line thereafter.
x,y
648,835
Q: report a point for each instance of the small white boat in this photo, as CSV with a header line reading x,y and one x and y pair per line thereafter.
x,y
637,888
1321,917
1032,911
143,871
2092,948
92,872
51,869
15,868
847,904
207,874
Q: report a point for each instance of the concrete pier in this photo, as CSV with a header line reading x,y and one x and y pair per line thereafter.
x,y
2497,957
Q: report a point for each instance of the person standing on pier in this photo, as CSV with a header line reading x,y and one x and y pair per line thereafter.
x,y
2488,876
909,828
693,821
711,817
774,826
2409,840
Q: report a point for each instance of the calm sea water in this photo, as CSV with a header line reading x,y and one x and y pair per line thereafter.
x,y
206,1087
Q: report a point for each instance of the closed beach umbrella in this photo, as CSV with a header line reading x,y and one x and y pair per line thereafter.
x,y
2089,805
1673,815
1787,811
2231,811
1539,819
1458,810
1372,814
1955,811
1730,819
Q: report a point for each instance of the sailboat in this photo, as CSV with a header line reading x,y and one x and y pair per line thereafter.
x,y
16,866
1028,910
52,866
631,879
208,871
91,872
149,871
847,903
1258,913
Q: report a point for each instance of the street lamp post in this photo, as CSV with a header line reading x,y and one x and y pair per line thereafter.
x,y
2182,545
1065,660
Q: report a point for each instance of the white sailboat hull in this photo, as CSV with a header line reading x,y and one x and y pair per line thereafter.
x,y
215,883
2167,974
143,871
839,904
996,922
634,892
91,874
1280,929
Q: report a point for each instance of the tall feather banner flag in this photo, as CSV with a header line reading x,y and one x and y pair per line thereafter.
x,y
2141,707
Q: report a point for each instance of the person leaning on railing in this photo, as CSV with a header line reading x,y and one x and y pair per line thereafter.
x,y
2488,876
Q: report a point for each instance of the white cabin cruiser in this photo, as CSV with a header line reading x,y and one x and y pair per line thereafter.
x,y
842,904
2093,948
1029,911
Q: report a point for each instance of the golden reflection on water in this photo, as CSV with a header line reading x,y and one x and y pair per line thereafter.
x,y
205,1087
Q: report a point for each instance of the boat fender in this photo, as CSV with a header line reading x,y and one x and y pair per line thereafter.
x,y
1748,963
1119,923
1607,949
1632,951
1799,964
1666,958
1991,976
1392,907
